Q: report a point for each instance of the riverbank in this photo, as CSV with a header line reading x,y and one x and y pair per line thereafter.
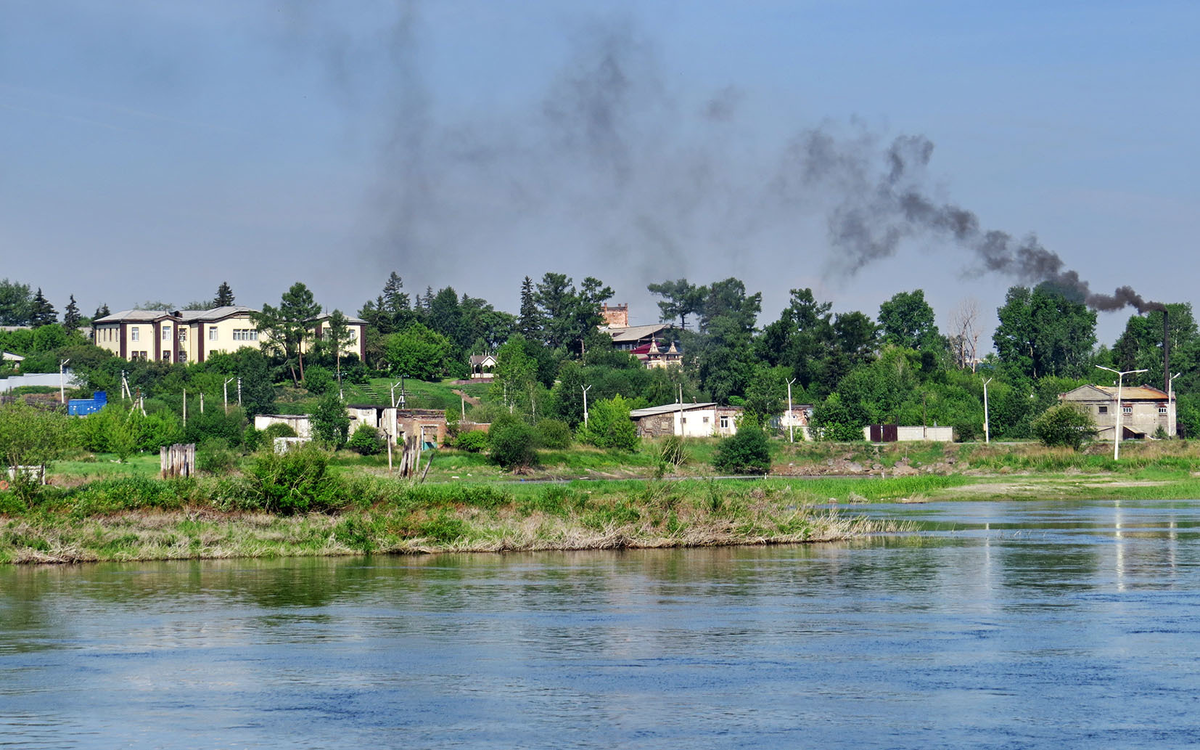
x,y
137,519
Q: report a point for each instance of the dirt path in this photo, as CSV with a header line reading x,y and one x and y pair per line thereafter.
x,y
469,399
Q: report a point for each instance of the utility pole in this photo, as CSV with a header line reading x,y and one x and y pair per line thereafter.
x,y
185,407
225,394
585,412
239,384
791,417
1117,431
987,435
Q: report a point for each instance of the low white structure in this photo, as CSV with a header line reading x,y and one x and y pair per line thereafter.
x,y
686,420
301,424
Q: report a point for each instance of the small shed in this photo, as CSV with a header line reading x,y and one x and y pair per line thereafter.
x,y
705,419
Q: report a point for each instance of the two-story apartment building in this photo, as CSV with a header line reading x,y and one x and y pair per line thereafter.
x,y
192,335
1144,409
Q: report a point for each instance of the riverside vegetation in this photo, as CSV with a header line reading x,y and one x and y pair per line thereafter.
x,y
313,502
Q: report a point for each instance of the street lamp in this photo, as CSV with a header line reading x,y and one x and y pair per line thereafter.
x,y
791,417
585,411
987,433
1117,432
62,380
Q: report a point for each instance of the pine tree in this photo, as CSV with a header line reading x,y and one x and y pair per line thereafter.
x,y
530,324
224,296
43,313
71,315
101,311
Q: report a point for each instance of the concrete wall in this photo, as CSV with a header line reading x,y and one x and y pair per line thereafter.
x,y
919,434
301,424
40,379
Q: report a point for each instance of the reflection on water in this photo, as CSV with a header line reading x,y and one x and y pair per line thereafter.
x,y
1005,625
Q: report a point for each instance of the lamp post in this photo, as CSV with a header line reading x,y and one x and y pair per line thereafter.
x,y
1117,432
62,380
585,412
987,433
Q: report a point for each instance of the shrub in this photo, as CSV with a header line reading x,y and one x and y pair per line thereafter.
x,y
250,438
671,451
747,452
365,441
215,457
298,481
475,441
318,380
277,430
609,425
553,434
1064,425
512,443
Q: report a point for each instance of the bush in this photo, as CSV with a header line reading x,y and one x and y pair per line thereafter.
x,y
1064,425
365,441
475,441
318,380
277,430
553,434
215,457
747,452
671,451
609,425
330,422
512,443
298,481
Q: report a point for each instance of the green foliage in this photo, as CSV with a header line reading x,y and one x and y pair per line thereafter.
x,y
747,452
330,422
214,456
609,425
553,434
30,437
276,430
298,481
1045,332
366,441
907,321
512,443
417,352
475,441
318,380
16,303
834,421
212,423
671,451
1064,425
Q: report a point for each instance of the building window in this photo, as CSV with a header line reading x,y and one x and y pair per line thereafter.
x,y
166,333
134,333
724,423
1127,410
166,356
245,334
1102,410
212,333
1162,410
182,356
704,420
683,420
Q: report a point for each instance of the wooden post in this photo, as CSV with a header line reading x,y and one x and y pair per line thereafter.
x,y
178,460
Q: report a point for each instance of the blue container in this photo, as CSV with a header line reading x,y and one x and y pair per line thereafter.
x,y
81,407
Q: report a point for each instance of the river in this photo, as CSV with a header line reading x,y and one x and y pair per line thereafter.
x,y
1002,625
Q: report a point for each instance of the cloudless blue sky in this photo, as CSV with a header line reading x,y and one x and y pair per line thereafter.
x,y
153,150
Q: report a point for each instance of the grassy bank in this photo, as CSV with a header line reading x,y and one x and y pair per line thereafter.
x,y
135,518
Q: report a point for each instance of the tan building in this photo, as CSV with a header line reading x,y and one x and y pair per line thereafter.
x,y
1144,409
191,335
396,424
615,316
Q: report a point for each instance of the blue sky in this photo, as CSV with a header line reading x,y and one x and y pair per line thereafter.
x,y
153,150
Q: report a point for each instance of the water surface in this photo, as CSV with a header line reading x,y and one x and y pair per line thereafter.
x,y
1004,625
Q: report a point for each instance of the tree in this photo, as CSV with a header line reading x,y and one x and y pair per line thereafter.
x,y
30,437
16,303
257,391
41,312
336,336
529,324
907,320
365,441
1045,331
515,375
284,329
512,443
101,311
224,296
680,299
417,352
964,339
330,421
71,316
1141,346
721,353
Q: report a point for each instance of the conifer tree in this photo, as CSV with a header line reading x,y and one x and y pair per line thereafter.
x,y
101,311
530,324
42,312
71,315
224,296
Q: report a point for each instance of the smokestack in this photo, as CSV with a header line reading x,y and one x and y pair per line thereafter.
x,y
1166,351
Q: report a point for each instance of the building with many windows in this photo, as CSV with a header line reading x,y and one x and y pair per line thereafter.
x,y
1144,409
192,335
